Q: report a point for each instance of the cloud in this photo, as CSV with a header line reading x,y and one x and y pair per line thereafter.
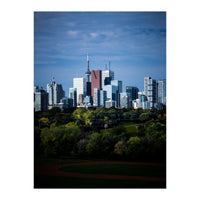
x,y
94,35
73,33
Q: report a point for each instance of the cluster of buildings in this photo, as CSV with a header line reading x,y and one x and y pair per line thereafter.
x,y
102,91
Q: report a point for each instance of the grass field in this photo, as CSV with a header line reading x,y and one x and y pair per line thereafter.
x,y
119,169
47,181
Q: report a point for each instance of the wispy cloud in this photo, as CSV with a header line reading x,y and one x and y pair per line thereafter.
x,y
73,33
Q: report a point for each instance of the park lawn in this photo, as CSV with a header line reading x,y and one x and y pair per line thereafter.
x,y
52,161
42,181
119,169
130,128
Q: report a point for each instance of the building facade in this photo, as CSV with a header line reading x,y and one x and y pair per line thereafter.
x,y
150,90
80,85
103,98
109,74
41,100
96,97
162,91
55,92
73,95
95,81
125,100
133,91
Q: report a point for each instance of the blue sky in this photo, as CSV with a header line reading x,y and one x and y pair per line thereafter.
x,y
134,42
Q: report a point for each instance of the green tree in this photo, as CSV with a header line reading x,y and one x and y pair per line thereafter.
x,y
44,122
94,145
133,147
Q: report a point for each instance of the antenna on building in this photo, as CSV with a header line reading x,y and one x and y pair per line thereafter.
x,y
106,66
109,64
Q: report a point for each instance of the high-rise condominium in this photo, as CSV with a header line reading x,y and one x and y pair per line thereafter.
x,y
55,92
80,85
162,91
150,90
95,81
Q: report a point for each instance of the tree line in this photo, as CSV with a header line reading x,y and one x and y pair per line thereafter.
x,y
128,134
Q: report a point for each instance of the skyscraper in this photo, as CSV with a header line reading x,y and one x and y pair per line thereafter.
x,y
41,100
96,97
111,92
125,100
162,91
133,91
146,85
95,81
107,73
118,84
80,85
150,90
55,92
103,98
73,95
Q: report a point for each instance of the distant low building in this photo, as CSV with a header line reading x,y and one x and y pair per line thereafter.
x,y
110,103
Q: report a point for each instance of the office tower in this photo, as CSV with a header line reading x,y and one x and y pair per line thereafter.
x,y
55,92
103,98
73,95
111,92
41,100
96,97
107,73
125,98
150,90
95,81
133,91
162,91
107,80
118,84
80,85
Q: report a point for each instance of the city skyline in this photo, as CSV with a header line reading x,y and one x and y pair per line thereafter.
x,y
134,43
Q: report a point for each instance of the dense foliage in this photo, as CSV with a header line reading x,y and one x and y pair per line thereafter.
x,y
102,133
